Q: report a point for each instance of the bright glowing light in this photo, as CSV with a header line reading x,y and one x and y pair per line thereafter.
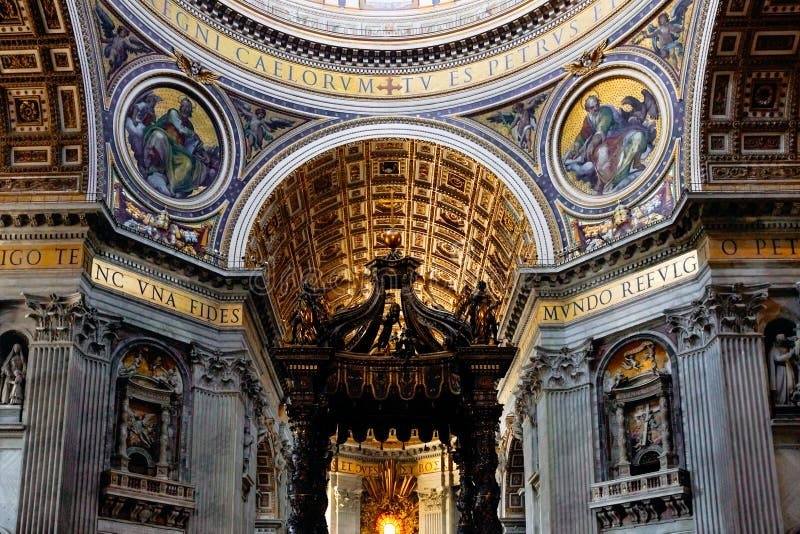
x,y
389,528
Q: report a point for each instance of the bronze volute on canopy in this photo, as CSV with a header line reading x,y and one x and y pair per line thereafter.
x,y
386,364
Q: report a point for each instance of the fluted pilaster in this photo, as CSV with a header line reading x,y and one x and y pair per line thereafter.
x,y
432,510
88,392
222,388
724,399
47,408
565,439
346,503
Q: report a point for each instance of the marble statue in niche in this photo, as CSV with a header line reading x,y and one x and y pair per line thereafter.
x,y
783,362
638,399
12,376
150,390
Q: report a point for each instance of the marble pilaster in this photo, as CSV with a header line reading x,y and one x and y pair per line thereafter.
x,y
565,441
525,425
88,392
346,503
220,455
432,509
48,414
729,448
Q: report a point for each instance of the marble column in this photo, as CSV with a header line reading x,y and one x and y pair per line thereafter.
x,y
564,411
729,448
346,505
48,413
220,452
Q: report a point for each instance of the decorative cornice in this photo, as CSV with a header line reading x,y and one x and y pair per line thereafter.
x,y
356,59
54,316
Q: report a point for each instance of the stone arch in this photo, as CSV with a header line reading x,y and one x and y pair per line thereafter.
x,y
526,192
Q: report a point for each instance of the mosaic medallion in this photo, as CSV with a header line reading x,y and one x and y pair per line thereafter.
x,y
610,137
172,142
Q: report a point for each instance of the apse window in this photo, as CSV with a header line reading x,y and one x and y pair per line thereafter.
x,y
389,528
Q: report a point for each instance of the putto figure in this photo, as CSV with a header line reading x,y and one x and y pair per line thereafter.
x,y
258,128
666,34
118,40
607,153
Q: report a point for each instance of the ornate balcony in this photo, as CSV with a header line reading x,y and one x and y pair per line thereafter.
x,y
642,499
144,499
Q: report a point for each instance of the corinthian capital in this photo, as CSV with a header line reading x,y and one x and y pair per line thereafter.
x,y
728,309
693,325
564,368
736,307
96,332
54,315
222,372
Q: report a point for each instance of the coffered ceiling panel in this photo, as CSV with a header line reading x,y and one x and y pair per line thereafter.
x,y
43,137
751,111
325,222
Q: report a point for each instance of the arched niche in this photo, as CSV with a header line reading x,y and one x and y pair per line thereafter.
x,y
513,482
638,408
149,425
267,491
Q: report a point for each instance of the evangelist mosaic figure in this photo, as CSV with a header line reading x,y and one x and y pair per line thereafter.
x,y
608,150
168,150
